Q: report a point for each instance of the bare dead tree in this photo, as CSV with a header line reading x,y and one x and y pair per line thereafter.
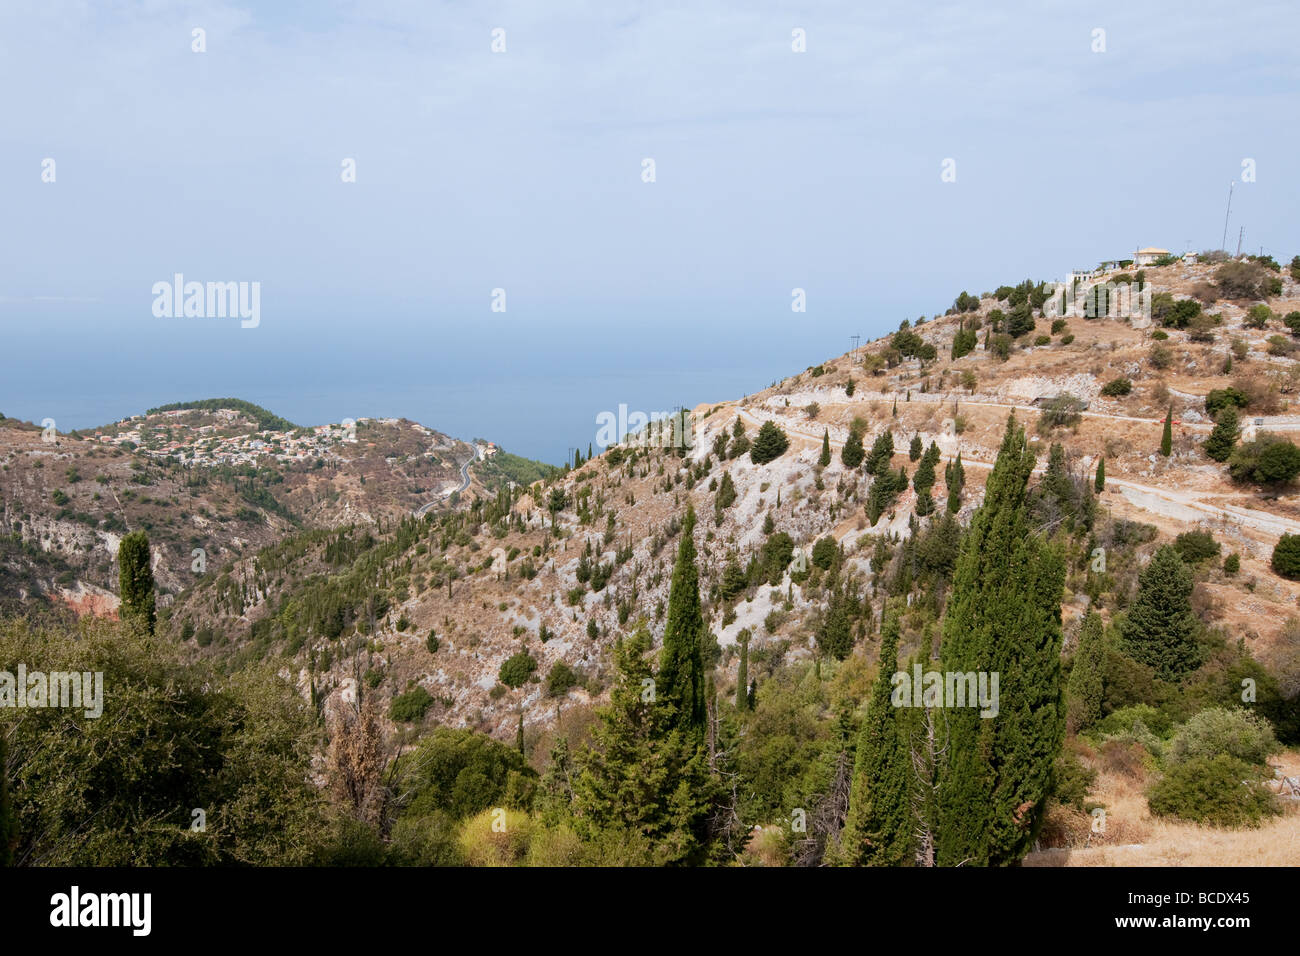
x,y
356,761
828,816
927,755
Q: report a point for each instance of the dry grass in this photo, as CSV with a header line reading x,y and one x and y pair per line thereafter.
x,y
1134,837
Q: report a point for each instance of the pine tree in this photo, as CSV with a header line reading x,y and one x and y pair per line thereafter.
x,y
681,660
878,829
825,458
1085,688
882,453
1003,617
742,671
1167,436
1099,483
135,581
914,449
1224,434
955,478
1160,629
644,783
769,445
852,452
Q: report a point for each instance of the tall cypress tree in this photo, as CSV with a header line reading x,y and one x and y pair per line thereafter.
x,y
1099,483
1224,434
825,458
914,449
1083,707
681,661
1004,618
878,828
742,671
135,581
955,478
1167,436
1160,628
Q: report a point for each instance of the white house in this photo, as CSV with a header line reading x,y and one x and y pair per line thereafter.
x,y
1145,257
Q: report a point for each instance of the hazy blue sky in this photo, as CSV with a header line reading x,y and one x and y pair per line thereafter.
x,y
522,170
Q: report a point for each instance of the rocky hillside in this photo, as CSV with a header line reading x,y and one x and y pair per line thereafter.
x,y
504,608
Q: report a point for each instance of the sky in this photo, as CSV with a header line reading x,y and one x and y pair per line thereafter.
x,y
1071,133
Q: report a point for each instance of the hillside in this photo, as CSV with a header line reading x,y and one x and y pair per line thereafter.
x,y
600,561
500,609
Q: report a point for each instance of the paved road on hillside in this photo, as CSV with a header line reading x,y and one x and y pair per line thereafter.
x,y
1180,505
464,483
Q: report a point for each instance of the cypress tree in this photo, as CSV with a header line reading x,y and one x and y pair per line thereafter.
x,y
1099,483
135,581
914,449
1003,617
878,828
825,458
742,671
955,478
1160,628
681,660
1167,436
852,452
1085,688
1224,434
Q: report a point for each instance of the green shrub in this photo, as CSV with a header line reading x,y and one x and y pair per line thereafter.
x,y
1117,387
496,837
410,708
1217,791
1218,730
1270,461
1220,398
517,669
1067,339
561,678
1058,326
1232,563
1122,721
461,772
1286,556
1043,340
1196,546
431,642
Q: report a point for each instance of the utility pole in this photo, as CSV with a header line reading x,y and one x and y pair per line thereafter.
x,y
1224,245
1240,235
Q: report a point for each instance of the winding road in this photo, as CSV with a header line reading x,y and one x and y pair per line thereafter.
x,y
421,511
